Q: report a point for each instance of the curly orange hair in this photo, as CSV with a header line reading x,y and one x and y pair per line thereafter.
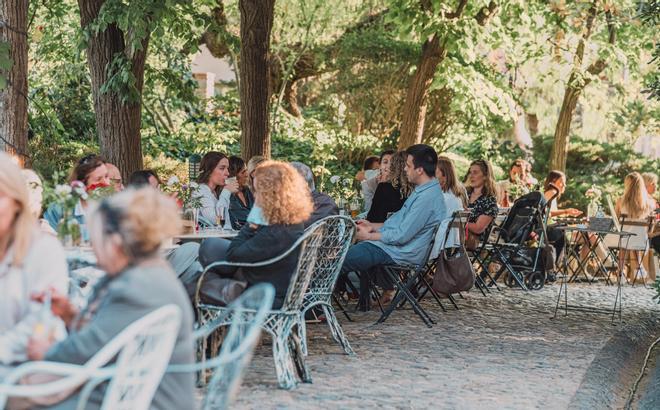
x,y
282,193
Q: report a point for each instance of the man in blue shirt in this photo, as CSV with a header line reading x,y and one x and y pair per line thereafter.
x,y
404,238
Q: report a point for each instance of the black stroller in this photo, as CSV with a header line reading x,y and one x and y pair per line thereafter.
x,y
525,264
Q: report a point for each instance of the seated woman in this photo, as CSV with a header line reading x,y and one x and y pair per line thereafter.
x,y
91,171
30,261
282,205
482,201
369,185
553,188
126,232
242,200
455,200
391,193
213,174
636,205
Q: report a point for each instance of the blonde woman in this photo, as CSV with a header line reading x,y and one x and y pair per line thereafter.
x,y
482,197
282,203
455,198
635,202
126,232
30,262
391,193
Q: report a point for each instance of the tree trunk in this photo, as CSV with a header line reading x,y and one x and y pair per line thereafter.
x,y
117,122
256,23
414,108
561,142
13,99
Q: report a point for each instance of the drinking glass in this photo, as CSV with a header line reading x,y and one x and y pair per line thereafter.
x,y
220,217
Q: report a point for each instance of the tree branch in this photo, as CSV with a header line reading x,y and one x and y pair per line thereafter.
x,y
459,10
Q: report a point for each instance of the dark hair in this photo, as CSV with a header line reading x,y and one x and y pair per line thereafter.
x,y
369,162
519,163
386,152
553,176
424,157
85,166
208,164
141,178
236,164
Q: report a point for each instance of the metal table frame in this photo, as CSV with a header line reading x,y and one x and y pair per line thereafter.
x,y
563,289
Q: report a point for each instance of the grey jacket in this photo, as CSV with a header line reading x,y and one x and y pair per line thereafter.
x,y
128,297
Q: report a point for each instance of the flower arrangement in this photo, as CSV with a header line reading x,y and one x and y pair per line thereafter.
x,y
593,193
342,189
67,197
186,194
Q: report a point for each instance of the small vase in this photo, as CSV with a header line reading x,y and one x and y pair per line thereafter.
x,y
190,220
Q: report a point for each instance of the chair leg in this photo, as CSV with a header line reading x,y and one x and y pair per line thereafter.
x,y
298,356
337,331
341,307
302,332
286,376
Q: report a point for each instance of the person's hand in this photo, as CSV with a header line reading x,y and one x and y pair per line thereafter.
x,y
38,346
59,304
364,224
231,186
573,212
362,233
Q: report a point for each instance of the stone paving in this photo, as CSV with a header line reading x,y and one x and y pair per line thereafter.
x,y
502,351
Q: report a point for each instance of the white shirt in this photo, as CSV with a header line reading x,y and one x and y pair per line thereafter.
x,y
44,266
211,204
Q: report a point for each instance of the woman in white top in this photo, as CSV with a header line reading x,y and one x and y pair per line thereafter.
x,y
636,205
30,262
455,198
214,191
369,185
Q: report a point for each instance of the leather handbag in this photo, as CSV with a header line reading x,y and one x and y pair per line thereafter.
x,y
453,269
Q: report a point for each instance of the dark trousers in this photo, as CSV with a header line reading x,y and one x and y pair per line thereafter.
x,y
557,239
366,259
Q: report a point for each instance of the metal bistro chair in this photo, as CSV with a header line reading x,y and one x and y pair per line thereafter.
x,y
405,277
280,323
235,352
638,244
142,352
337,237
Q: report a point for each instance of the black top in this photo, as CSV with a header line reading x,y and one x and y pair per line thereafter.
x,y
266,242
484,205
386,199
324,206
238,212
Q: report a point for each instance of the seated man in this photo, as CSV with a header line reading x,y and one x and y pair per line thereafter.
x,y
404,238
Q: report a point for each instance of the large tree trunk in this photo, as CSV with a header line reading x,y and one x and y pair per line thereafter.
x,y
117,122
561,142
414,107
13,99
256,23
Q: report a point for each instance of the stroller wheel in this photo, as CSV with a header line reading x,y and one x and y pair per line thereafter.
x,y
509,281
535,280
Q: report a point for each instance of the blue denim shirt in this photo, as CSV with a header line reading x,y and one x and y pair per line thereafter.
x,y
406,235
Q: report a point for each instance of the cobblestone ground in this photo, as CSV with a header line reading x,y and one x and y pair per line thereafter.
x,y
502,351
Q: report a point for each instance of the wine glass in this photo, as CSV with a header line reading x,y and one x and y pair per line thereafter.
x,y
220,217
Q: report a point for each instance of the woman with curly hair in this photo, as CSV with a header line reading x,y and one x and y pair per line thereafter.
x,y
282,203
392,193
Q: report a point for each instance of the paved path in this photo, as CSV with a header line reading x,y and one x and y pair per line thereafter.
x,y
503,351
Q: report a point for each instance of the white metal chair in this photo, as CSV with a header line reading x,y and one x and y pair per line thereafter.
x,y
287,346
638,243
142,352
337,237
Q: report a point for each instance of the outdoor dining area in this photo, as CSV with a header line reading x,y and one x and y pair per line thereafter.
x,y
139,294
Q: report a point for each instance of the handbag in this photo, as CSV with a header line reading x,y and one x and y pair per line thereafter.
x,y
220,291
453,269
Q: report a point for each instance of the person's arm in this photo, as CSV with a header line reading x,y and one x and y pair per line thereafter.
x,y
480,225
208,202
256,244
122,308
404,225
